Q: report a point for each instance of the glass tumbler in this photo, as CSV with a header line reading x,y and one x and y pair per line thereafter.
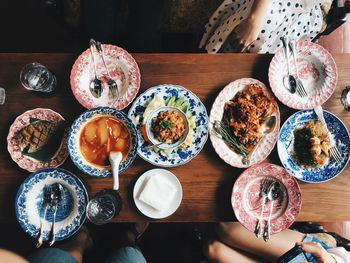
x,y
103,207
37,77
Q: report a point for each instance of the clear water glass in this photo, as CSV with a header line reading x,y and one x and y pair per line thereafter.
x,y
37,77
2,96
345,98
103,207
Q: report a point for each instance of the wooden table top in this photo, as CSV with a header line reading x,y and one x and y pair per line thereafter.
x,y
207,181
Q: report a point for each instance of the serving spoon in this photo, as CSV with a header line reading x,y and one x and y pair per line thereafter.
x,y
267,127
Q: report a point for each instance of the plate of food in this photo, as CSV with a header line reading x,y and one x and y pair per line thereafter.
x,y
247,198
172,124
316,69
303,146
244,123
37,139
123,69
96,134
30,204
157,193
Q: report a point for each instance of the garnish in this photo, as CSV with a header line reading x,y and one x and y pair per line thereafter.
x,y
165,124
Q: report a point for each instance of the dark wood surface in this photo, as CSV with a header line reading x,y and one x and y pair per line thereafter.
x,y
207,181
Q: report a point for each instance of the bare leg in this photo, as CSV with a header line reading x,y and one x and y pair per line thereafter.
x,y
221,253
236,236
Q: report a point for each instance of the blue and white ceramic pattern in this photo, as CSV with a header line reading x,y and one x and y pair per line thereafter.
x,y
74,134
178,156
331,168
70,210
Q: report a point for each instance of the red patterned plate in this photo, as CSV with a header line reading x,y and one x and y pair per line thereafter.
x,y
123,69
316,70
246,199
26,162
216,113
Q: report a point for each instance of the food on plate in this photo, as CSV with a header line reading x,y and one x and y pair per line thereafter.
x,y
311,144
102,135
168,126
158,192
169,131
41,139
244,115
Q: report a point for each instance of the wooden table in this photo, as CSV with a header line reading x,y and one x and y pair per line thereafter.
x,y
207,181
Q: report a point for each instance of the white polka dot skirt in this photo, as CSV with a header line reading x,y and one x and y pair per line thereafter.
x,y
296,19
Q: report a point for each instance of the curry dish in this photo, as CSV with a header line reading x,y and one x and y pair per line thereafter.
x,y
246,112
168,126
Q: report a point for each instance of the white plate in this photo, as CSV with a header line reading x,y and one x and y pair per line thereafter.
x,y
150,211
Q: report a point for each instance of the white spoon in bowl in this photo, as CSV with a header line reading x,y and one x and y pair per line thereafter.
x,y
115,159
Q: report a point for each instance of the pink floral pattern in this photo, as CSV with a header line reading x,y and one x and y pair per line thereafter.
x,y
123,69
316,69
216,113
14,149
246,199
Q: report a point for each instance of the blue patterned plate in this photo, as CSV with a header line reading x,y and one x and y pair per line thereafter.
x,y
73,141
331,168
179,155
70,211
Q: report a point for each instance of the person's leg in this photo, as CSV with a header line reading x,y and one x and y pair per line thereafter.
x,y
236,236
219,252
10,257
68,252
129,252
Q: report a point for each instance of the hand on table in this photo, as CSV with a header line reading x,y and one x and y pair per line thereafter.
x,y
317,251
246,33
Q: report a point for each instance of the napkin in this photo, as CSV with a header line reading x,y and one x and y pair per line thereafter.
x,y
158,192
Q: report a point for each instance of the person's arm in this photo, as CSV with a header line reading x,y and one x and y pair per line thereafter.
x,y
317,251
248,30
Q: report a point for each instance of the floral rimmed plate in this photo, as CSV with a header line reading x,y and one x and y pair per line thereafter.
x,y
74,141
123,69
331,168
70,210
222,149
246,198
14,149
179,155
316,69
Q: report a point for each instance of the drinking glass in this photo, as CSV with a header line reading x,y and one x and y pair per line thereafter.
x,y
345,98
2,96
37,77
103,207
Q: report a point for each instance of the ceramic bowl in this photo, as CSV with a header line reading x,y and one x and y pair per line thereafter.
x,y
151,136
74,144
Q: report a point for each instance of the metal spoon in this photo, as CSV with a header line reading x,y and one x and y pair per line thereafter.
x,y
113,86
267,127
95,84
289,81
46,202
151,147
273,194
56,196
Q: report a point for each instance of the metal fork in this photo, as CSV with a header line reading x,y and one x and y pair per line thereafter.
x,y
266,184
300,87
113,86
334,152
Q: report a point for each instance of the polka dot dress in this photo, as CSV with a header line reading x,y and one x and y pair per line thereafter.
x,y
296,19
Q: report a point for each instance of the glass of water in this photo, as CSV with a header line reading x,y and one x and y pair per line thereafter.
x,y
37,77
103,207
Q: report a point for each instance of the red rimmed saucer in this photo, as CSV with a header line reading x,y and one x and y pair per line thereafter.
x,y
246,199
14,149
316,70
123,69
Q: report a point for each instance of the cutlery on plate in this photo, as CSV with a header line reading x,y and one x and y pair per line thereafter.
x,y
267,127
150,147
299,84
288,80
273,194
113,87
95,84
56,197
334,152
266,184
46,203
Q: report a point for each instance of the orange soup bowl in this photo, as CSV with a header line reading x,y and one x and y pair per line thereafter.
x,y
96,133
